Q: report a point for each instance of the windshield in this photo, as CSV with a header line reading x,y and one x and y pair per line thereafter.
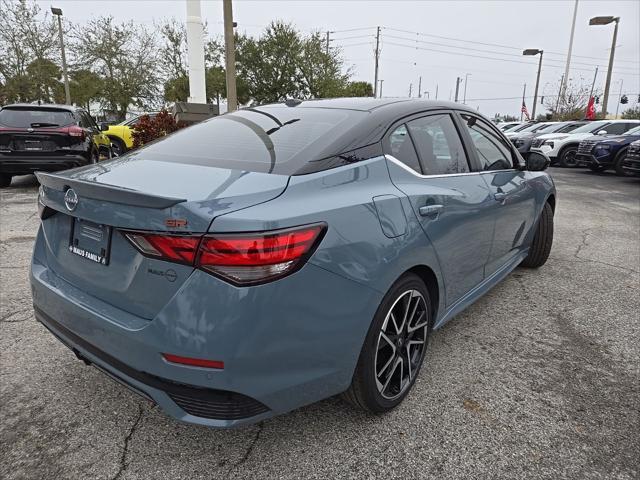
x,y
518,127
34,117
633,131
273,139
568,127
533,127
591,127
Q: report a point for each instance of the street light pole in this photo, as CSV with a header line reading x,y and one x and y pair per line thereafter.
x,y
607,21
619,98
58,13
535,51
563,88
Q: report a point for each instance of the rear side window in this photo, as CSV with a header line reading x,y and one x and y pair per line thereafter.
x,y
401,147
36,117
438,145
273,139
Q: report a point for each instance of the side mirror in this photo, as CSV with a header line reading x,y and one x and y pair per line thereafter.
x,y
537,162
104,126
602,132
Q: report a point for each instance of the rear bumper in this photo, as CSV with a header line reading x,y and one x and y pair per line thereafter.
x,y
17,165
284,344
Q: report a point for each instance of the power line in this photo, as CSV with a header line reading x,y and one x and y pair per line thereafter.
x,y
354,36
493,58
352,30
510,47
480,50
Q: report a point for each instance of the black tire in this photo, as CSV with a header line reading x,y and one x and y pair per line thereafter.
x,y
117,146
619,160
597,168
567,157
94,156
364,391
542,241
5,179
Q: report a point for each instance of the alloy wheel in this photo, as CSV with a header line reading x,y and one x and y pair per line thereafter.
x,y
401,344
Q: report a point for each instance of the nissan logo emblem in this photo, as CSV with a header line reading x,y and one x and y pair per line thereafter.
x,y
71,199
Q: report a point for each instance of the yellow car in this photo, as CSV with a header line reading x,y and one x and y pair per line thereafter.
x,y
121,134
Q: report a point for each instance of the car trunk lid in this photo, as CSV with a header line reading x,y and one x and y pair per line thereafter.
x,y
86,244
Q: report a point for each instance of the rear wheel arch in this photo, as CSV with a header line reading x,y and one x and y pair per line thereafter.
x,y
428,276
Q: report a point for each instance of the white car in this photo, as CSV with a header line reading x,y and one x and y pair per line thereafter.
x,y
532,128
562,147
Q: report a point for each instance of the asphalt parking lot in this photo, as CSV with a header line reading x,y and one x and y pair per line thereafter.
x,y
539,379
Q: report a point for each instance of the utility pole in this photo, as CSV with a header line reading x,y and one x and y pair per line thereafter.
x,y
566,68
230,56
458,80
327,51
420,87
410,87
593,84
381,88
559,95
377,54
464,97
524,91
619,98
58,13
436,91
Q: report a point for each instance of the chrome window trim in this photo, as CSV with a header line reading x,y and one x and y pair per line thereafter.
x,y
393,159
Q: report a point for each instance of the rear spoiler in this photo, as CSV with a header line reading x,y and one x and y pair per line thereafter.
x,y
108,193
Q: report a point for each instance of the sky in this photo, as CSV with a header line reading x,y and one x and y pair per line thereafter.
x,y
439,41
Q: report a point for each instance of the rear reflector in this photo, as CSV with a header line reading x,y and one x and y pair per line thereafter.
x,y
193,362
239,258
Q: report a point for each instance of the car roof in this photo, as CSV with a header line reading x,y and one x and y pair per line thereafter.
x,y
368,104
44,106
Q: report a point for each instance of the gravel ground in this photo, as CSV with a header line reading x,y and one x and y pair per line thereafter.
x,y
539,379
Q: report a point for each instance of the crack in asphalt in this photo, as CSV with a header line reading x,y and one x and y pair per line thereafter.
x,y
250,448
125,449
583,244
5,318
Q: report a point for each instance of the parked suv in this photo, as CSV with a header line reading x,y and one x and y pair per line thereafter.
x,y
47,138
562,148
524,140
631,162
600,153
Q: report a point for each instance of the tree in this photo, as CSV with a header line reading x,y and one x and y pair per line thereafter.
x,y
269,65
85,87
632,113
28,51
358,89
125,56
573,105
320,70
44,81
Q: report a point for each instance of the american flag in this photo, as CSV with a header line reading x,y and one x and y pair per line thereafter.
x,y
524,110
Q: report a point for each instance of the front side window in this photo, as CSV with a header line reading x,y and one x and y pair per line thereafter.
x,y
401,147
439,145
494,153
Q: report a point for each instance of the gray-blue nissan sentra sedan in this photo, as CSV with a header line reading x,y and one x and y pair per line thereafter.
x,y
277,255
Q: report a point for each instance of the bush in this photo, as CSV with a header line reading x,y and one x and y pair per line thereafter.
x,y
149,129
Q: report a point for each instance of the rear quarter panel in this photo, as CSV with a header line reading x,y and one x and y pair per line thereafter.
x,y
361,244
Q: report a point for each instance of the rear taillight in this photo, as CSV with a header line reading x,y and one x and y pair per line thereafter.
x,y
240,258
76,132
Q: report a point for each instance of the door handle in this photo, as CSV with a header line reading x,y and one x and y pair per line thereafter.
x,y
500,197
431,210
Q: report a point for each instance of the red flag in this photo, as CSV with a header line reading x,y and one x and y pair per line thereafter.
x,y
524,110
591,109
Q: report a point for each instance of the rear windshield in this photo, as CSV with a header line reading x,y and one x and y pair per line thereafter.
x,y
270,139
36,117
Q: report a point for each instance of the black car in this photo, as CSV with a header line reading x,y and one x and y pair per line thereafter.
x,y
600,153
524,141
631,162
47,138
